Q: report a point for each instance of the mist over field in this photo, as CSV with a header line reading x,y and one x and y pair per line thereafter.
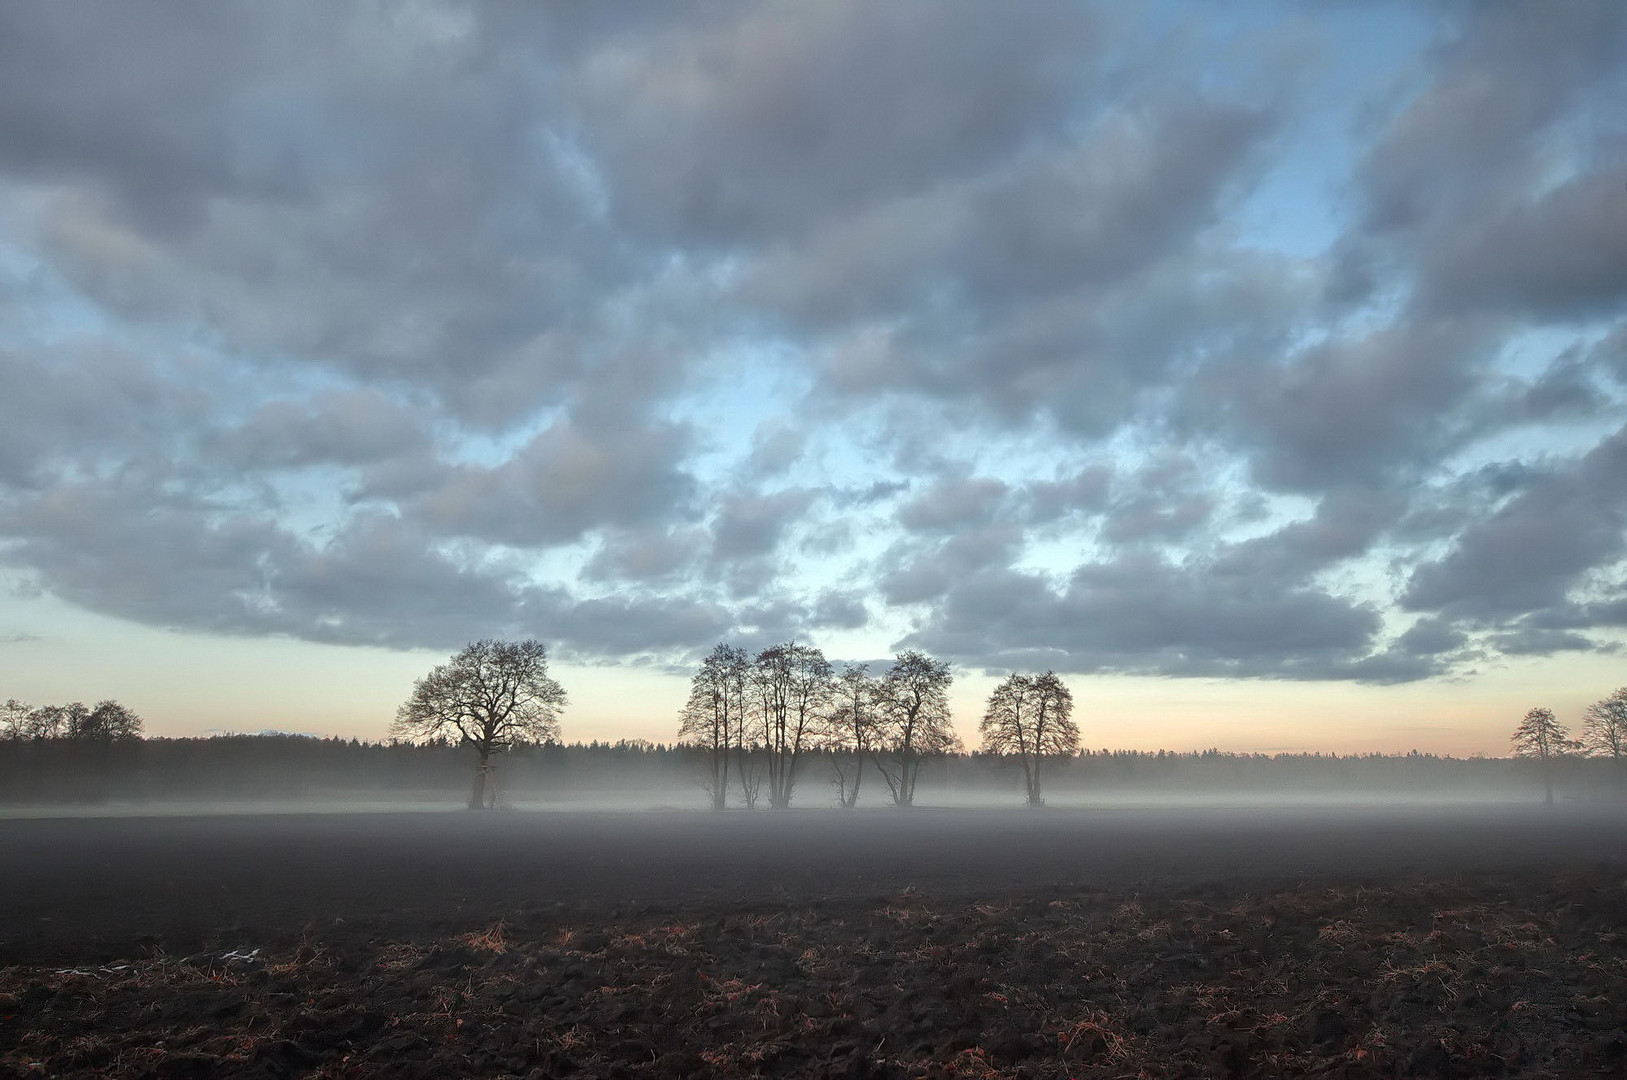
x,y
290,774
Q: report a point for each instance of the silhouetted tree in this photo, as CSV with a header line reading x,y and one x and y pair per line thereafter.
x,y
1543,738
792,685
108,721
1031,717
492,696
914,721
850,732
715,710
1604,730
14,722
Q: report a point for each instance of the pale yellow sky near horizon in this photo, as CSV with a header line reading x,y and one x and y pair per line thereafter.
x,y
194,684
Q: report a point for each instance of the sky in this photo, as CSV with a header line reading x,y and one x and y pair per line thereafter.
x,y
1261,368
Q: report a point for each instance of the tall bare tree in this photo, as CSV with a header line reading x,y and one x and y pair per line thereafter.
x,y
14,720
1604,730
850,732
715,715
492,696
1542,737
1031,718
914,721
792,686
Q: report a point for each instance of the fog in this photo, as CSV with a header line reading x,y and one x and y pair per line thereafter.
x,y
282,774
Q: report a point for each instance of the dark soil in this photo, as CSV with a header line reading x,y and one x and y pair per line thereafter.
x,y
1510,960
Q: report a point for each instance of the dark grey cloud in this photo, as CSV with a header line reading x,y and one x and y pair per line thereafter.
x,y
637,327
648,556
348,428
1345,525
1563,255
79,406
775,447
1359,410
1530,553
1085,491
1166,499
1501,79
1432,637
751,526
1525,640
840,609
953,505
1611,353
127,550
565,481
768,120
1143,614
913,573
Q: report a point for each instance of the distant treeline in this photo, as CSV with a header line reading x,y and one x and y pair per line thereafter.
x,y
44,771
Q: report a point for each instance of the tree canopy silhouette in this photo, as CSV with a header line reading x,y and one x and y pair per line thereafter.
x,y
714,717
1604,729
492,696
1542,737
108,721
792,685
914,721
1031,716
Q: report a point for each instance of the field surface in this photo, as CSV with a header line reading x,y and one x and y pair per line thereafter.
x,y
1363,941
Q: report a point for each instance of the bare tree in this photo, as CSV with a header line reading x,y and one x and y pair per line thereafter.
x,y
1543,738
108,721
1604,730
14,720
715,712
1031,717
850,731
914,721
752,775
492,696
792,686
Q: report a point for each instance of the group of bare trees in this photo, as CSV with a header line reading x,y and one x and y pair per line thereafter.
x,y
1540,736
107,721
759,717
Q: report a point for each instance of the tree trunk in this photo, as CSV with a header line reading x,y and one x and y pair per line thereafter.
x,y
720,796
1547,783
477,798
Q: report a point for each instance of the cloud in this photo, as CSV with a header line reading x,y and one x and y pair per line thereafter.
x,y
381,581
770,120
952,505
1529,554
1048,336
1560,256
647,556
1143,614
1085,491
79,405
1358,410
567,480
751,526
345,428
